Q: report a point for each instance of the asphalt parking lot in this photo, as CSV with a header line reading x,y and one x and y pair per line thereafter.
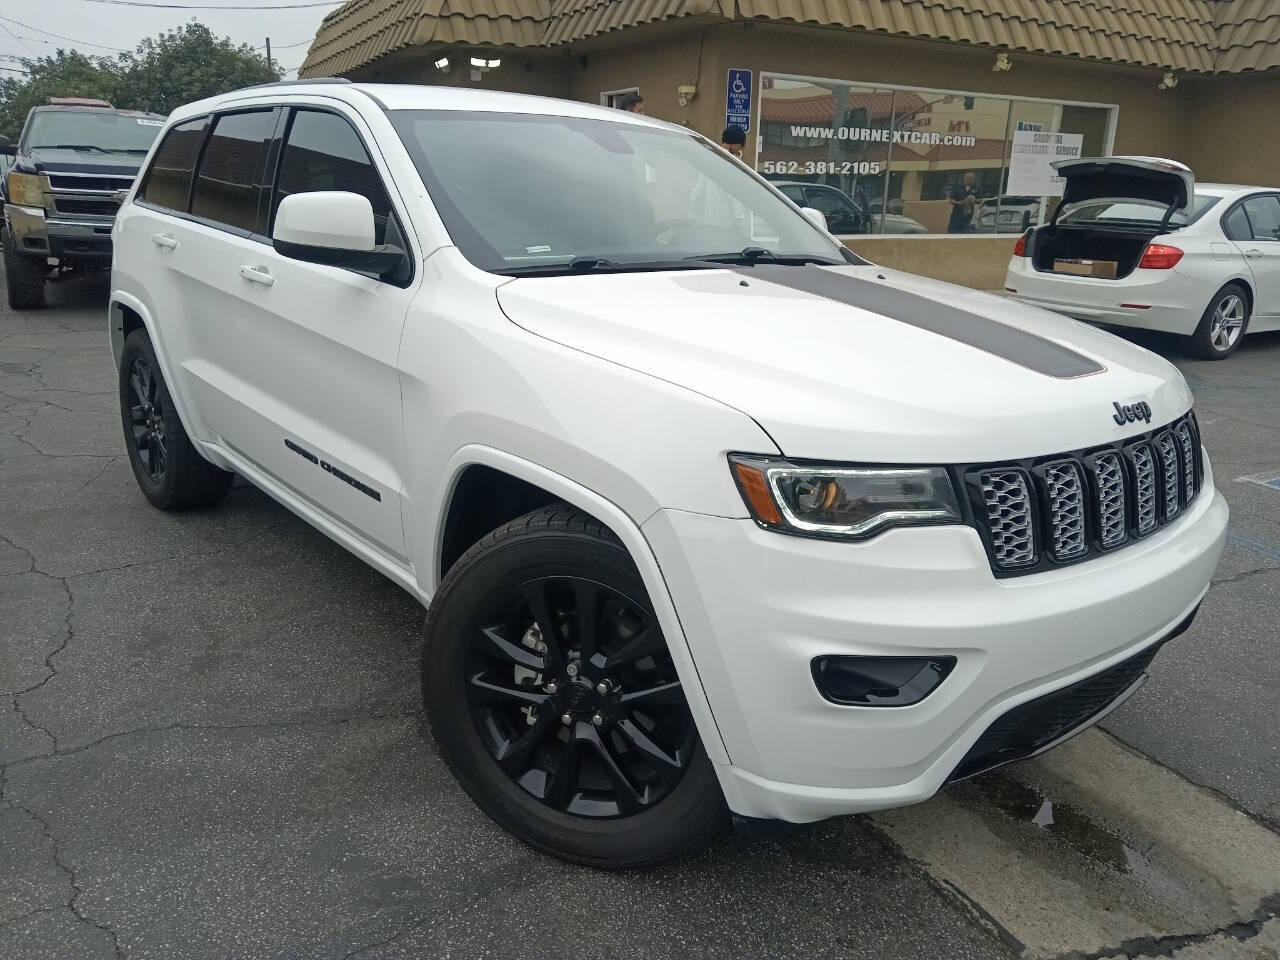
x,y
212,747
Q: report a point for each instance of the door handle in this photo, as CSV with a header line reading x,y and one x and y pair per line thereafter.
x,y
165,240
257,275
1253,254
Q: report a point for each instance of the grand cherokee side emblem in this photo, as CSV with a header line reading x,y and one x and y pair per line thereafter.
x,y
1131,412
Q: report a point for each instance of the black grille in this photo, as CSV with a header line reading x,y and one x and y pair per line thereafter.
x,y
1036,513
110,184
84,207
1034,725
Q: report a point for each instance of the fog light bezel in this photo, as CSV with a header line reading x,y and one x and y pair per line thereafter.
x,y
914,688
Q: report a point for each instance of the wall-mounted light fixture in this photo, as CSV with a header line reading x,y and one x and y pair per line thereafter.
x,y
685,92
1003,64
443,64
480,66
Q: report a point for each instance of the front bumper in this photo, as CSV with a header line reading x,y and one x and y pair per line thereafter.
x,y
757,607
35,233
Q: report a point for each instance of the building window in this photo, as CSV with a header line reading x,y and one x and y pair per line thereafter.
x,y
613,98
917,160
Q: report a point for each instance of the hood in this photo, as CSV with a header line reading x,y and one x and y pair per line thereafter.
x,y
1138,178
861,363
50,160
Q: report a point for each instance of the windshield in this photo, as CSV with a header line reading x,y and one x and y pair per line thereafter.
x,y
1130,211
524,193
96,130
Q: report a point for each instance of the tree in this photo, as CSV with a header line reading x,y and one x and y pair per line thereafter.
x,y
164,72
65,74
185,64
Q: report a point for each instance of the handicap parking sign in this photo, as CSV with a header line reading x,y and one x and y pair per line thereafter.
x,y
737,99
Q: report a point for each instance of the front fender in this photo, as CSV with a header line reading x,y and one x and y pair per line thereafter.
x,y
629,532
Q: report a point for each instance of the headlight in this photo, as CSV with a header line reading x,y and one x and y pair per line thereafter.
x,y
842,502
27,189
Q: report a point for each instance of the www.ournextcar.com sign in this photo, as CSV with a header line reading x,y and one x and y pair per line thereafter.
x,y
882,136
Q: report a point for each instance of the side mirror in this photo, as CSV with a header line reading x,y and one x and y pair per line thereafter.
x,y
7,146
333,228
816,216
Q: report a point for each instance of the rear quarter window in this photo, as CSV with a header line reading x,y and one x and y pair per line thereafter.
x,y
168,180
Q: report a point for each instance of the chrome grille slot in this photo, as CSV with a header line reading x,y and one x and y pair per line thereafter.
x,y
1066,509
1008,500
1170,479
1109,474
1188,447
1144,488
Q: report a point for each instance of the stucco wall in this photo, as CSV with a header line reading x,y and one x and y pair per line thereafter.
x,y
1233,130
977,262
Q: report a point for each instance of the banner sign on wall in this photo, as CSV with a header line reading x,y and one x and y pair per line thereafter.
x,y
737,99
1033,152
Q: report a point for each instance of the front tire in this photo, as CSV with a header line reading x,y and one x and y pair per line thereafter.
x,y
169,470
1223,325
552,696
24,277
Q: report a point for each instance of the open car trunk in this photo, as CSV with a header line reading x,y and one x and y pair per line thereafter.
x,y
1078,242
1111,208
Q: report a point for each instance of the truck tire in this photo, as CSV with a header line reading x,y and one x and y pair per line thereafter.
x,y
24,276
1223,325
168,468
551,694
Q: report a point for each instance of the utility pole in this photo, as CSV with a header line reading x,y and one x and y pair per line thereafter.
x,y
268,53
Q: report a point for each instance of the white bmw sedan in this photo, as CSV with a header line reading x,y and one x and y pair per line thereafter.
x,y
1137,242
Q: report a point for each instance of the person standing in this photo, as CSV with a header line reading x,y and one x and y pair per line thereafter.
x,y
966,200
709,204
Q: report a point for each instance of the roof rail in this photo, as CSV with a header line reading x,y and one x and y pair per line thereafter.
x,y
294,83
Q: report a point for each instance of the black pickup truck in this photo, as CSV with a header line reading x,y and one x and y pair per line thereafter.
x,y
71,167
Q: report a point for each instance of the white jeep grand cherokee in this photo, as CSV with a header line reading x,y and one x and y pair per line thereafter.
x,y
706,511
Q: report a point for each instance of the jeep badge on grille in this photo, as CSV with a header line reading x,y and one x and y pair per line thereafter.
x,y
1131,412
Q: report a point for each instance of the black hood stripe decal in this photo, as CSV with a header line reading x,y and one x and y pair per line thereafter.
x,y
1011,343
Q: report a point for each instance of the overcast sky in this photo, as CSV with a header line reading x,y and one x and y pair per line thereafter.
x,y
89,22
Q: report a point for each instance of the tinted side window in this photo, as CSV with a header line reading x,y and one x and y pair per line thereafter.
x,y
794,194
1264,217
323,152
229,181
168,182
1236,225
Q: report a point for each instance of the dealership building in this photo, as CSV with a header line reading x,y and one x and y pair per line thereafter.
x,y
875,110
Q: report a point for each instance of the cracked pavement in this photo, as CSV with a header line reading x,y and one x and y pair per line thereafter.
x,y
211,745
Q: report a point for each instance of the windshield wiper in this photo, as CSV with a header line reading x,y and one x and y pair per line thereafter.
x,y
70,146
595,264
748,256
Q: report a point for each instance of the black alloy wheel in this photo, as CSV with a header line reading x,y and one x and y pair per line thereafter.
x,y
146,418
552,695
170,471
575,696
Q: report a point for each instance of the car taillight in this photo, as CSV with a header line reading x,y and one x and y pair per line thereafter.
x,y
1159,256
1020,248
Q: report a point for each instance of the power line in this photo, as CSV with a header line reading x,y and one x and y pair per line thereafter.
x,y
48,33
206,6
18,38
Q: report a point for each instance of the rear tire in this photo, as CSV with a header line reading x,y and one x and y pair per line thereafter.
x,y
169,470
1223,325
625,782
24,277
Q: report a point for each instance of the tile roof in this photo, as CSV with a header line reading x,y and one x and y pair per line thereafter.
x,y
1198,36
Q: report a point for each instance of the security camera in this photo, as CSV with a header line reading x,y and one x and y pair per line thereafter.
x,y
1168,82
